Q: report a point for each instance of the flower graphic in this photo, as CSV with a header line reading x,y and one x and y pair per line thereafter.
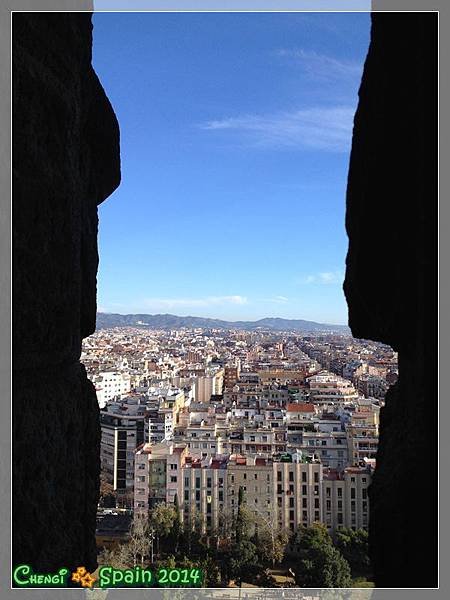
x,y
84,577
87,580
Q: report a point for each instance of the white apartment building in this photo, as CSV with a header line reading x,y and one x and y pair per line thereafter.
x,y
111,384
327,388
330,447
281,494
208,385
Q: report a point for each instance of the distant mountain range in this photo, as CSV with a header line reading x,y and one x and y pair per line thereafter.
x,y
109,320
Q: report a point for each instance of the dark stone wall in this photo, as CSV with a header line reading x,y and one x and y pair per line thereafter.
x,y
391,283
65,162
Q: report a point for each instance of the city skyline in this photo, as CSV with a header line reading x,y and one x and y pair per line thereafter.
x,y
235,136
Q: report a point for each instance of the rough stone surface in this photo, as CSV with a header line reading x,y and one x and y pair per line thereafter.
x,y
391,284
65,162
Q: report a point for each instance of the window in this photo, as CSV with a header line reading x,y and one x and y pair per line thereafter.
x,y
208,482
328,492
291,515
291,502
304,503
339,492
304,479
352,493
197,482
173,479
279,489
173,467
186,494
256,475
291,475
186,481
304,490
316,503
245,475
364,493
279,476
316,477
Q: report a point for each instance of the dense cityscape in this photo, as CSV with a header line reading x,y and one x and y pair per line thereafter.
x,y
201,422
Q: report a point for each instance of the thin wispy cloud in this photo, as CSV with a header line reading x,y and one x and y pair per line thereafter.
x,y
318,128
177,303
321,66
277,300
323,278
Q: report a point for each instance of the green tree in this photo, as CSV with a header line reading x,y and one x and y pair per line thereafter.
x,y
319,563
271,545
191,539
161,520
176,533
226,525
354,547
211,572
244,519
243,562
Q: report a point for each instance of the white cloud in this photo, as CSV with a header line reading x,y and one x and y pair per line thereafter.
x,y
318,128
323,278
173,303
321,66
277,299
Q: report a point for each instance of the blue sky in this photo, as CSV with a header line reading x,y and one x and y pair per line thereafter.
x,y
235,139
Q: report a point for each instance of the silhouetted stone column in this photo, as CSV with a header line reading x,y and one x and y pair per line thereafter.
x,y
65,162
391,284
